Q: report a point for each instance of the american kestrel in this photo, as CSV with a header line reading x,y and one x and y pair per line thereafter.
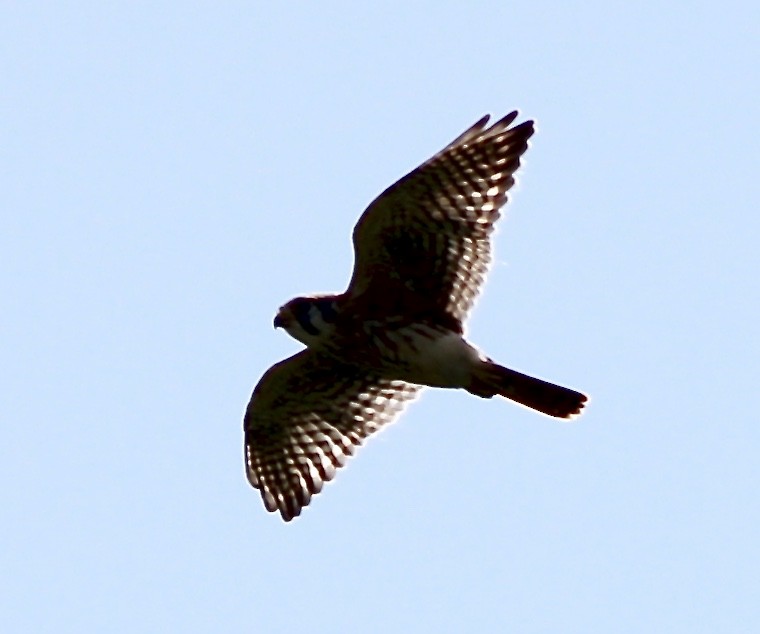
x,y
422,250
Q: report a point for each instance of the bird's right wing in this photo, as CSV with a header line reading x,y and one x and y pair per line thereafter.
x,y
306,416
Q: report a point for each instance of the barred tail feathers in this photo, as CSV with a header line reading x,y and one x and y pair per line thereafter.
x,y
490,379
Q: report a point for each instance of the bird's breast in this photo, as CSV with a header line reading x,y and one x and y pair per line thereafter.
x,y
424,354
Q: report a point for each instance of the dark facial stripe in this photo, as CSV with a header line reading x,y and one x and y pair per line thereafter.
x,y
301,313
326,308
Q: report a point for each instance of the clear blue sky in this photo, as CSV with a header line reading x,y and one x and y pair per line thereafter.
x,y
173,172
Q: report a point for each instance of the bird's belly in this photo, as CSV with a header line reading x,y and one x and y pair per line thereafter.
x,y
424,355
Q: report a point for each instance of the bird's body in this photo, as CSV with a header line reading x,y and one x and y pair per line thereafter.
x,y
419,352
422,250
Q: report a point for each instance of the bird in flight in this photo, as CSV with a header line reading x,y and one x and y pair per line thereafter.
x,y
421,253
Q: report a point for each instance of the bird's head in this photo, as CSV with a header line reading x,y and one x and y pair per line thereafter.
x,y
307,319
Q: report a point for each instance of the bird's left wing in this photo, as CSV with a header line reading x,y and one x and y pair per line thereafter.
x,y
306,416
422,248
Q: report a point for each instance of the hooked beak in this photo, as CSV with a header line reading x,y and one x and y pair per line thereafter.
x,y
279,322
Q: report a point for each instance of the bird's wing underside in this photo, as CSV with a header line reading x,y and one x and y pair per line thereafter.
x,y
422,248
306,416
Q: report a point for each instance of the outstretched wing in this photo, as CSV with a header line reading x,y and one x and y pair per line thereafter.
x,y
306,416
422,248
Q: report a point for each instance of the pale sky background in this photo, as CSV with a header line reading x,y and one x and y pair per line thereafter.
x,y
171,173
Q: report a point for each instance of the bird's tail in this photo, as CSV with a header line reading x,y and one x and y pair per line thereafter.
x,y
491,378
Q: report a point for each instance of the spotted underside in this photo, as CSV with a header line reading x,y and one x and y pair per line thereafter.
x,y
306,416
422,250
423,246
